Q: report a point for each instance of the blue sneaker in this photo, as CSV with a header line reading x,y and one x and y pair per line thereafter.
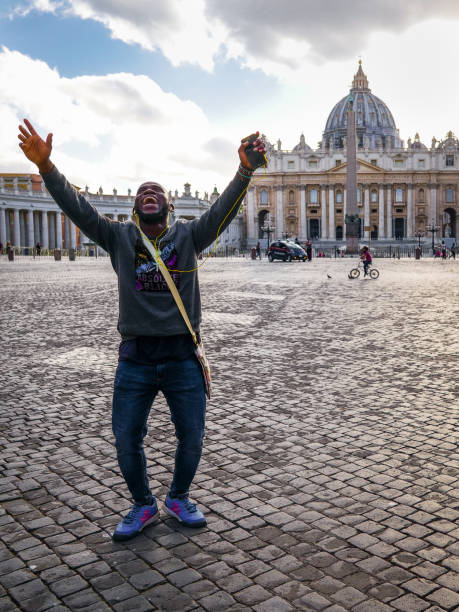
x,y
184,511
136,520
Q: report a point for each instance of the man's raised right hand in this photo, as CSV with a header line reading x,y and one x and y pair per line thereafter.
x,y
35,148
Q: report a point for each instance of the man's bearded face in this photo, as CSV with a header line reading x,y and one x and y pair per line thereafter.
x,y
152,203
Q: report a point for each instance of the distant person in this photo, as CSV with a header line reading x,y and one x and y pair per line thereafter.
x,y
366,258
38,249
8,247
258,250
157,353
309,250
452,251
1,248
443,252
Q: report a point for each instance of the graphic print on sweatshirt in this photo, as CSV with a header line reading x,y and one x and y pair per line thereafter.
x,y
148,277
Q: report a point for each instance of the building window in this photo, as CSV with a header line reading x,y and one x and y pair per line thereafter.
x,y
359,194
374,210
313,163
291,165
449,194
264,196
374,195
339,211
337,162
421,196
399,210
398,163
313,212
421,163
291,197
339,197
399,195
374,162
449,161
313,196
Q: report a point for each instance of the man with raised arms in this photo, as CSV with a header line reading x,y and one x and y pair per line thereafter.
x,y
157,353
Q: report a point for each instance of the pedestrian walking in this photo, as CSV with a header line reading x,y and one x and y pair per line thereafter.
x,y
452,250
309,250
38,249
258,249
1,248
157,353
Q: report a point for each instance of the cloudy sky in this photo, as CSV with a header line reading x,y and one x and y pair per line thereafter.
x,y
164,89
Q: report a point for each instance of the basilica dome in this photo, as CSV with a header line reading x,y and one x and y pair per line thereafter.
x,y
375,124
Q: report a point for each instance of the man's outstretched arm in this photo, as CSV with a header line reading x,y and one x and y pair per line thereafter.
x,y
225,208
94,225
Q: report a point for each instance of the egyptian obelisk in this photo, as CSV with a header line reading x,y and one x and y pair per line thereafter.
x,y
352,213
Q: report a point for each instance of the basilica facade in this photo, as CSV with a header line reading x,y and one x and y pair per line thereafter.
x,y
404,190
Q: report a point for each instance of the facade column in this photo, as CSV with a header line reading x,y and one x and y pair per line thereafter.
x,y
331,213
250,214
381,232
389,232
44,229
279,212
30,229
366,215
22,226
52,231
303,223
323,204
433,207
17,229
344,211
2,226
409,211
59,230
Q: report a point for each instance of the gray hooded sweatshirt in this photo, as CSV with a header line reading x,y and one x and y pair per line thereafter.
x,y
146,305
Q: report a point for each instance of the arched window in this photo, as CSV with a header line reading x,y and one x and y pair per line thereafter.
x,y
399,194
291,196
421,195
449,194
339,197
374,195
359,194
313,196
264,196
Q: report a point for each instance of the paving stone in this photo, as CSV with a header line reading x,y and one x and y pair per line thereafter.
x,y
217,602
315,601
348,597
445,598
252,595
409,603
274,604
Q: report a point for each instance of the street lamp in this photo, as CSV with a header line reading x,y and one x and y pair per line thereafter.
x,y
419,235
432,228
268,229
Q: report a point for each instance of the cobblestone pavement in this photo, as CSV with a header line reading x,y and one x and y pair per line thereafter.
x,y
329,476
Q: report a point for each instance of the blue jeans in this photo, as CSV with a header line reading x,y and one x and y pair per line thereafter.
x,y
136,386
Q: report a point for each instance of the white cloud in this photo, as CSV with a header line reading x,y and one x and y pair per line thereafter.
x,y
115,130
276,37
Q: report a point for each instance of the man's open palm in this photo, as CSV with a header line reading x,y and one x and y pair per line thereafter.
x,y
34,147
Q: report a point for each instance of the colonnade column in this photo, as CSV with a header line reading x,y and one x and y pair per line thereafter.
x,y
409,211
17,229
279,211
59,230
250,215
72,232
381,232
30,229
44,229
331,213
366,213
389,233
323,204
303,225
2,226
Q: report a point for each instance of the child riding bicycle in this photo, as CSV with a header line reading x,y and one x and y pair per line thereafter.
x,y
366,258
